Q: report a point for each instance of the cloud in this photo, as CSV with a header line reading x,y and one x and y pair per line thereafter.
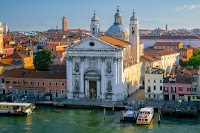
x,y
187,7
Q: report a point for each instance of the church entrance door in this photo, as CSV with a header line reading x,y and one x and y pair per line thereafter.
x,y
93,89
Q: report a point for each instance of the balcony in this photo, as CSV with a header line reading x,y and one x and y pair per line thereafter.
x,y
172,80
148,90
165,90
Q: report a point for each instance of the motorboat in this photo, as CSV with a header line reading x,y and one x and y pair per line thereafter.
x,y
145,116
10,108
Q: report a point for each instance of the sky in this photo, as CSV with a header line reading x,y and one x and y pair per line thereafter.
x,y
40,15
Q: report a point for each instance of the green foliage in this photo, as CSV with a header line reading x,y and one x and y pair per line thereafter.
x,y
195,59
42,60
181,63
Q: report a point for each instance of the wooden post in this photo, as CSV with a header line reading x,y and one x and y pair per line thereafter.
x,y
159,112
104,113
113,108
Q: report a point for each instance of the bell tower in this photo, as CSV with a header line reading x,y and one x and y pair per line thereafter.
x,y
95,26
134,37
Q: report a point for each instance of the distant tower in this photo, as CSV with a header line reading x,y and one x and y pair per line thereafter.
x,y
95,26
134,37
5,29
1,38
166,28
64,24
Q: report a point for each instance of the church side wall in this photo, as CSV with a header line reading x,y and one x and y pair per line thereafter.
x,y
132,76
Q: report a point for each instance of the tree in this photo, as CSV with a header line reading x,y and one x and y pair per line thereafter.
x,y
195,59
42,60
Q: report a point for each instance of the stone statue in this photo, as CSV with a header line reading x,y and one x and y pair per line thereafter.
x,y
109,86
76,68
108,69
76,85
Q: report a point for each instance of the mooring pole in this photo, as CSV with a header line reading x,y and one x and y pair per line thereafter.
x,y
159,112
104,113
113,108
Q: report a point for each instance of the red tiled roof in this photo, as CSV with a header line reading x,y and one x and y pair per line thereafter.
x,y
34,74
170,37
167,43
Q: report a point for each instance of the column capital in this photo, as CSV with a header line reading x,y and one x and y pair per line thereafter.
x,y
69,58
82,59
103,59
115,59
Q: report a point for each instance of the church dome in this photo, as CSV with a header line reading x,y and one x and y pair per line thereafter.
x,y
118,29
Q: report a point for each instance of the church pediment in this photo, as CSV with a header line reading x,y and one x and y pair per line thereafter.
x,y
93,44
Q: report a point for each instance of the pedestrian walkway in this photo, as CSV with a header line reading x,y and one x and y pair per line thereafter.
x,y
137,95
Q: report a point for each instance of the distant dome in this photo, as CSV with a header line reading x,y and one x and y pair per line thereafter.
x,y
119,31
134,17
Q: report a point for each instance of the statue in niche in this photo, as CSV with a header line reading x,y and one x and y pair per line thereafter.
x,y
108,69
109,86
76,68
76,85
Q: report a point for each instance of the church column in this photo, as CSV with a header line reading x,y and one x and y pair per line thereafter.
x,y
82,78
69,77
103,78
114,83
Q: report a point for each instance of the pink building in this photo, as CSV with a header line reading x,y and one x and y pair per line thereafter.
x,y
176,87
34,83
58,52
8,50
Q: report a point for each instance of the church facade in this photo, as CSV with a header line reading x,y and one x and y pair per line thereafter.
x,y
105,67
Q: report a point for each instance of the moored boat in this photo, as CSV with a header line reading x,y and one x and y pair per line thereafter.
x,y
145,116
8,108
129,114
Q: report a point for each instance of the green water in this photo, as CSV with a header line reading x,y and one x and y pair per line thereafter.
x,y
51,120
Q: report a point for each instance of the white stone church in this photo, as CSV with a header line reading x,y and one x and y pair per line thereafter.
x,y
105,67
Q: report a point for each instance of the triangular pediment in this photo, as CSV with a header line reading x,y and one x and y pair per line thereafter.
x,y
92,43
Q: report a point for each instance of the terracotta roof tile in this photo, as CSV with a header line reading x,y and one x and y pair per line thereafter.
x,y
34,74
115,41
167,43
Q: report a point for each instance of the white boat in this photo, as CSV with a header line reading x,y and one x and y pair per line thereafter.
x,y
8,108
145,116
129,114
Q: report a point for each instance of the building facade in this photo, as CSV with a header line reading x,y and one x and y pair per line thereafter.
x,y
1,38
105,67
34,83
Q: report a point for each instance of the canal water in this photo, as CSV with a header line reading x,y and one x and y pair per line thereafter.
x,y
52,120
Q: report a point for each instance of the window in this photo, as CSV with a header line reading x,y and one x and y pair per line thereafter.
x,y
91,43
63,91
3,81
149,96
148,80
188,89
180,89
154,96
194,79
51,49
154,81
14,82
42,83
160,87
19,82
50,91
149,89
63,84
7,82
194,89
38,83
32,83
154,87
161,81
56,84
49,83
